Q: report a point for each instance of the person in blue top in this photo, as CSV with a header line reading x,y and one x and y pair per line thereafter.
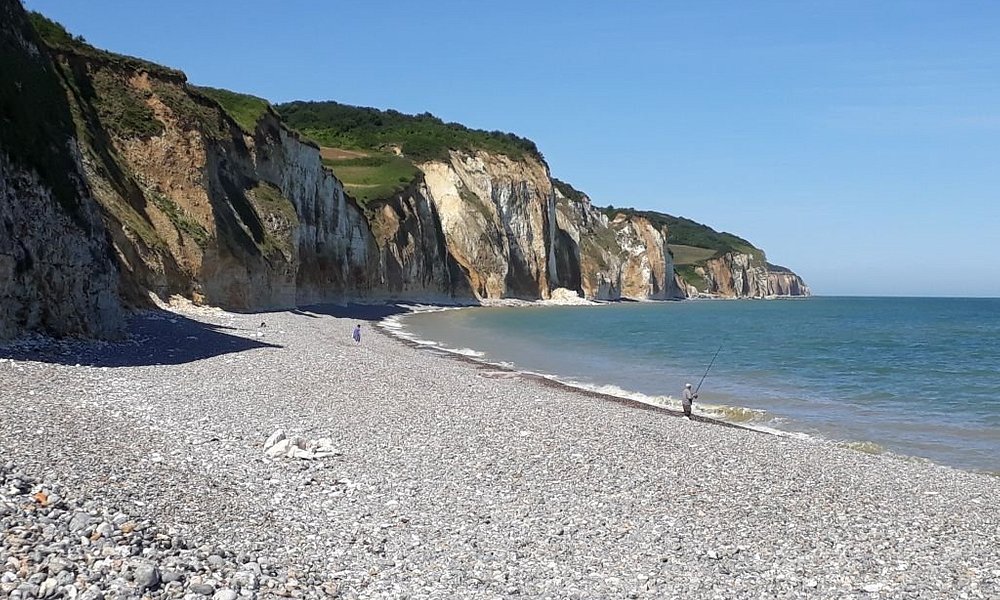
x,y
357,334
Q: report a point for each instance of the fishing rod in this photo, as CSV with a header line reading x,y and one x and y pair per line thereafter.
x,y
709,368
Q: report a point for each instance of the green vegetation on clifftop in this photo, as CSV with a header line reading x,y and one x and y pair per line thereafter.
x,y
690,255
374,152
245,109
568,190
685,232
35,122
56,37
419,137
369,176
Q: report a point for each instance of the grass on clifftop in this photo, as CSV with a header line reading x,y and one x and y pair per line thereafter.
x,y
59,39
419,137
690,255
245,109
685,232
568,190
369,176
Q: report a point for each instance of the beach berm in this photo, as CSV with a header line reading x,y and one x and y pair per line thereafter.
x,y
139,469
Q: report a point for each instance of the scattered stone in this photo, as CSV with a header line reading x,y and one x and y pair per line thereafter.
x,y
147,576
201,588
170,576
278,445
274,438
225,594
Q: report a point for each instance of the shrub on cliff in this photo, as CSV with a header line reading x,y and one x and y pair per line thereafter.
x,y
690,233
245,109
419,137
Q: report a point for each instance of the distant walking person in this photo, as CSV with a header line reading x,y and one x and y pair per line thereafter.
x,y
357,334
689,397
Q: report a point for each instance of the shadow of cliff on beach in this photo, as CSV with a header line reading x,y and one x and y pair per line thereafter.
x,y
154,338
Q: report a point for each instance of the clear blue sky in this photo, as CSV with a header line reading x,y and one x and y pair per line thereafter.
x,y
857,142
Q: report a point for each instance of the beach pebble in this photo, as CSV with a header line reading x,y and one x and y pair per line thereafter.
x,y
225,594
147,576
201,588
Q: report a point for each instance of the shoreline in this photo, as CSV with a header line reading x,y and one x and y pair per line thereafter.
x,y
551,381
380,313
446,482
392,327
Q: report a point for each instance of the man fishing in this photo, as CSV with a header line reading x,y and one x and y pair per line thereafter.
x,y
689,396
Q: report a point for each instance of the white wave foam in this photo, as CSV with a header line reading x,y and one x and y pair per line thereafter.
x,y
395,325
466,352
618,392
798,435
392,322
745,417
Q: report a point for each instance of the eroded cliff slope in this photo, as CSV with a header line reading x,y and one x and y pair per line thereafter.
x,y
197,205
611,258
709,263
56,272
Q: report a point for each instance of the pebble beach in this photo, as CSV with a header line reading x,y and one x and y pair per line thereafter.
x,y
138,469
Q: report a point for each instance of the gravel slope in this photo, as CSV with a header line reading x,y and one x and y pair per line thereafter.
x,y
453,481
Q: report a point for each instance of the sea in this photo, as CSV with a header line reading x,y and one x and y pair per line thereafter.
x,y
916,377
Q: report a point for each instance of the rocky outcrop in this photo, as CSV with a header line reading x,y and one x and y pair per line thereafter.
x,y
783,282
56,273
611,259
331,250
414,261
746,275
496,217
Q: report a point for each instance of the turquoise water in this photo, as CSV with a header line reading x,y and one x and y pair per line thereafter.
x,y
915,376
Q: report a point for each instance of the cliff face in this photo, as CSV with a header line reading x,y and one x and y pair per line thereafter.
x,y
786,283
330,245
612,260
199,207
251,219
56,273
414,261
496,218
746,275
244,214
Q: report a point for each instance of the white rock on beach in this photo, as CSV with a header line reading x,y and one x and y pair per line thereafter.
x,y
278,445
274,438
279,448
